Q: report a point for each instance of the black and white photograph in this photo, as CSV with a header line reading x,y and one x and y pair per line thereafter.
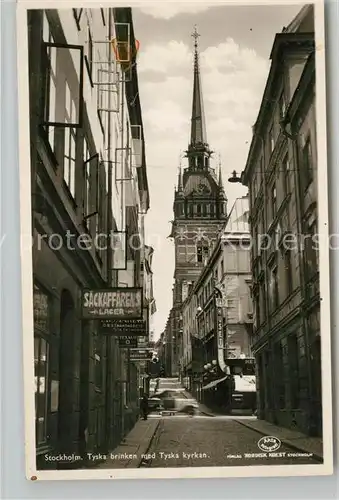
x,y
175,243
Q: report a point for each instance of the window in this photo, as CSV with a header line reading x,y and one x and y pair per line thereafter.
x,y
256,309
87,177
274,201
288,272
222,268
89,57
103,16
271,139
50,83
273,285
286,176
212,210
254,187
307,163
202,252
262,301
311,245
199,253
41,307
70,143
282,106
77,13
198,209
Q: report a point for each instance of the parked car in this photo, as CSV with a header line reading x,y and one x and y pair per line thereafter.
x,y
155,404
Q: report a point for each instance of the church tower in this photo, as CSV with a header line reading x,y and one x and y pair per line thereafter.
x,y
200,203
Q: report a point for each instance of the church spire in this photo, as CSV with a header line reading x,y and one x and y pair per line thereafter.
x,y
198,127
180,186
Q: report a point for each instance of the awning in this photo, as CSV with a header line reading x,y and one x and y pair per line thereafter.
x,y
214,383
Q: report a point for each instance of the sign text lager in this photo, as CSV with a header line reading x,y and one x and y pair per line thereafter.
x,y
112,303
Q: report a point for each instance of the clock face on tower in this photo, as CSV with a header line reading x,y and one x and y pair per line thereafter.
x,y
198,186
202,188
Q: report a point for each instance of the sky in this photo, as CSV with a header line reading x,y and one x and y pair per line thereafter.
x,y
235,44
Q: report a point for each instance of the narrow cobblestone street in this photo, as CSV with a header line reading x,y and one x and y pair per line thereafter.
x,y
219,441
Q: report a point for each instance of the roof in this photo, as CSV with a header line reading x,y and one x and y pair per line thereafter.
x,y
303,21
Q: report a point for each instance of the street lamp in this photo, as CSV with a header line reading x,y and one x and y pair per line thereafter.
x,y
235,177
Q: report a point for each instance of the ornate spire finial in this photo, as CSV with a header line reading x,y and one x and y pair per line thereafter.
x,y
195,35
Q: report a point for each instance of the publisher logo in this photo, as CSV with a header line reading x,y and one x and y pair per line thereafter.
x,y
269,443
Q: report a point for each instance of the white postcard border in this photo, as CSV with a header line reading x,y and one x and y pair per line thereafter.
x,y
27,279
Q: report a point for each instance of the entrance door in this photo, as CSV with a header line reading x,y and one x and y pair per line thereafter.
x,y
67,429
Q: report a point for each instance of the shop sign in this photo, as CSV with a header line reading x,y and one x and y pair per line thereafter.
x,y
112,303
128,342
124,327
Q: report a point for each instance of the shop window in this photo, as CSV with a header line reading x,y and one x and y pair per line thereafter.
x,y
41,307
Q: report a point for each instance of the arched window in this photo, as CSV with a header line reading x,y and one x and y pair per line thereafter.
x,y
202,251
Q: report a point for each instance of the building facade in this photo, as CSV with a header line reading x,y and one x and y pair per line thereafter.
x,y
229,268
281,173
200,210
89,187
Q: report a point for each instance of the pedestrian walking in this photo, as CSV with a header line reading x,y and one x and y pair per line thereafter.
x,y
144,407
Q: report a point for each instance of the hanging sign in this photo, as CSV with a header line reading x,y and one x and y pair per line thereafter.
x,y
124,327
112,303
128,342
140,354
